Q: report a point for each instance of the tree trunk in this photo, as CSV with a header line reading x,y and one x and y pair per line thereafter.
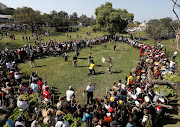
x,y
178,39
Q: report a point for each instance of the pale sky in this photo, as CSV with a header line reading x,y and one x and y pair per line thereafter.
x,y
142,9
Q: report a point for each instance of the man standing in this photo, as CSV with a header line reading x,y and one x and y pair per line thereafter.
x,y
89,91
89,58
69,93
114,46
91,68
32,62
74,61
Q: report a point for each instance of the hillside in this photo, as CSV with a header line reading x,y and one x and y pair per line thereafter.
x,y
3,6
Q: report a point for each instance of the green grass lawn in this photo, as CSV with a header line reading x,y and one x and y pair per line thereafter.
x,y
61,74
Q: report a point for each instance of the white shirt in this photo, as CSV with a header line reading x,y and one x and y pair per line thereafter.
x,y
119,85
60,124
17,76
22,104
8,64
69,94
90,88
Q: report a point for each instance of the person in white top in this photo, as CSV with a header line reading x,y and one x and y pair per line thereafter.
x,y
69,93
22,104
89,90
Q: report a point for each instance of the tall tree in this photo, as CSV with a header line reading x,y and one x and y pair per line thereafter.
x,y
110,19
158,29
27,15
74,18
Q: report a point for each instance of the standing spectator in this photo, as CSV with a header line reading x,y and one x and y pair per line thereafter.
x,y
69,94
74,61
91,68
89,58
89,89
34,87
32,61
46,94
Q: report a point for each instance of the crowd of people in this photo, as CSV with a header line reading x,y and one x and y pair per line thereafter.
x,y
127,104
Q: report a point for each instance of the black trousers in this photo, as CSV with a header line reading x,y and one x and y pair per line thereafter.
x,y
89,97
91,71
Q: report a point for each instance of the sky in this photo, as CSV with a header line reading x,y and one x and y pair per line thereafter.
x,y
142,9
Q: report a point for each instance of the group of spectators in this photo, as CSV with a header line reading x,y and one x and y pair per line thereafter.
x,y
130,104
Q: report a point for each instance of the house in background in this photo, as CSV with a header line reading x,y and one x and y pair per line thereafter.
x,y
5,18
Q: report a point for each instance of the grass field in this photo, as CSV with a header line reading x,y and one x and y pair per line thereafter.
x,y
61,74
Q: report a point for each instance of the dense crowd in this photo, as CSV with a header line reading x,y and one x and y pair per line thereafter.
x,y
127,104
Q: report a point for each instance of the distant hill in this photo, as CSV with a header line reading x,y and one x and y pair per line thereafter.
x,y
3,6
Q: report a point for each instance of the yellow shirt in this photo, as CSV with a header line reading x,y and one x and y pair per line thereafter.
x,y
92,66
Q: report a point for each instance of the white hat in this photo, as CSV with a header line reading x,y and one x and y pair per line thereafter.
x,y
162,100
138,90
137,103
147,99
70,87
134,96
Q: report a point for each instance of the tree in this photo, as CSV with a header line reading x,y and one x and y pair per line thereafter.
x,y
27,15
158,29
110,19
177,29
60,20
74,18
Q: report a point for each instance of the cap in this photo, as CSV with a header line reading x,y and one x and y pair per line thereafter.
x,y
70,87
111,109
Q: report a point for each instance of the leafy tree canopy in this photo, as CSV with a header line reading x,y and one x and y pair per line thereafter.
x,y
110,19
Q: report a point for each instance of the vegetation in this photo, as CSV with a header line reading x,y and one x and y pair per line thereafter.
x,y
110,19
158,29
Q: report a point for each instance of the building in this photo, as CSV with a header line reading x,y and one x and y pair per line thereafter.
x,y
5,18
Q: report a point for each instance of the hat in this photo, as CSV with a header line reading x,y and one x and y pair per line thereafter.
x,y
146,99
90,53
120,103
112,99
158,108
111,109
137,103
70,87
162,100
46,88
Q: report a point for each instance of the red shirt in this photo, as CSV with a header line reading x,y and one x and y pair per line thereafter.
x,y
46,94
40,84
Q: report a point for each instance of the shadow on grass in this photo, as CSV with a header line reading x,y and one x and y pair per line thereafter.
x,y
41,66
83,58
116,72
97,73
169,116
82,66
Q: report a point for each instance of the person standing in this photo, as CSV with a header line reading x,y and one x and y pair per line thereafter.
x,y
65,56
110,62
70,93
89,89
89,58
105,45
32,61
114,46
74,61
91,68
